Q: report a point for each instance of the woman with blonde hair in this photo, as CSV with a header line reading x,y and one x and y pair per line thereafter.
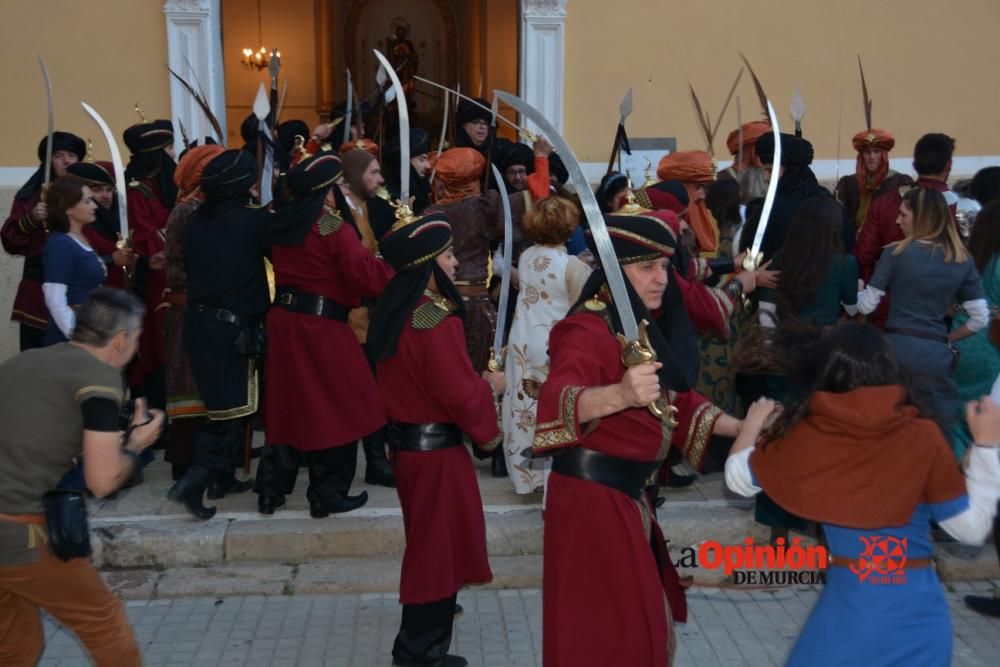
x,y
927,273
549,282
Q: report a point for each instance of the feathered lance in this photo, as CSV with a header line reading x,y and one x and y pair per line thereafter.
x,y
866,101
202,103
706,129
756,83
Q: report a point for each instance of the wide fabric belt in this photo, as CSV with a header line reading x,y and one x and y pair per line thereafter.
x,y
223,315
913,333
298,301
629,477
858,563
423,437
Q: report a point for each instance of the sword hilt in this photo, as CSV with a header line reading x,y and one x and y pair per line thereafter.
x,y
637,352
496,363
752,261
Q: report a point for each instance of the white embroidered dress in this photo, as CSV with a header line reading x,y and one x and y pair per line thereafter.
x,y
549,282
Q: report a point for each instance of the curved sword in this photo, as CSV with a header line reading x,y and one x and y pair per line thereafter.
x,y
348,108
119,169
444,131
52,124
636,348
753,258
497,353
404,131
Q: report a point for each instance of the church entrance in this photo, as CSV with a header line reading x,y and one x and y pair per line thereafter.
x,y
474,44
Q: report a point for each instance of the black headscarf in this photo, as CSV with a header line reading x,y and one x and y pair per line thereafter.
x,y
96,173
420,187
412,251
638,238
307,183
226,181
610,186
149,159
61,141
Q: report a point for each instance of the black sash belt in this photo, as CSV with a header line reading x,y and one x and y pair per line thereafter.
x,y
297,301
223,315
913,333
423,437
629,477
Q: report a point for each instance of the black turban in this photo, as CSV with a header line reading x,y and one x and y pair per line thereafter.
x,y
61,141
228,178
411,249
795,151
92,172
308,182
509,153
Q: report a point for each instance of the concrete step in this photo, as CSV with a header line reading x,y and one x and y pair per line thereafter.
x,y
140,530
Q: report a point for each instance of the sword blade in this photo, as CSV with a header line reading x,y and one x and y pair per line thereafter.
x,y
349,109
772,190
52,122
119,169
599,231
527,134
508,265
404,130
444,131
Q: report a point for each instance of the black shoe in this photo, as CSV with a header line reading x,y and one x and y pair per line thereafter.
x,y
320,510
459,610
267,504
678,477
988,606
189,491
498,467
227,483
447,661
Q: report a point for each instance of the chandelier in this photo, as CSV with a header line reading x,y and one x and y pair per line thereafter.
x,y
258,60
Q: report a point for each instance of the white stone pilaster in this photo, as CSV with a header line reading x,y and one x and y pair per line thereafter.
x,y
194,35
543,56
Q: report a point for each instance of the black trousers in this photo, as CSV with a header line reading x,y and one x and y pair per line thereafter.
x,y
331,471
218,445
31,337
425,632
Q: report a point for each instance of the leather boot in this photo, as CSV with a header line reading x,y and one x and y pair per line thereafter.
x,y
378,470
226,482
268,504
498,467
189,490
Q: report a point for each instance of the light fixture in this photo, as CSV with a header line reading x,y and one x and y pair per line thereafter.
x,y
258,60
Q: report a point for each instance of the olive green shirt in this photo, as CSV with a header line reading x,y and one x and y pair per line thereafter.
x,y
41,393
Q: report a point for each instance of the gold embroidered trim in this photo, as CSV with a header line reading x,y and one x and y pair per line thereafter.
x,y
98,389
429,315
699,432
642,198
243,410
141,187
642,240
562,431
329,223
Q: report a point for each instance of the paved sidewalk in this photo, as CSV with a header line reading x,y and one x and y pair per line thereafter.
x,y
500,628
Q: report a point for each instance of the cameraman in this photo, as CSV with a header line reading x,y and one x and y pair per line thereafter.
x,y
57,403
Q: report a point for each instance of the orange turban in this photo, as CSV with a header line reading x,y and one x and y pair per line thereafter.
x,y
751,133
868,184
694,168
360,144
460,171
187,175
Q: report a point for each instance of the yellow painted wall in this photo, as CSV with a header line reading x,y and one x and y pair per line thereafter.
x,y
110,53
930,66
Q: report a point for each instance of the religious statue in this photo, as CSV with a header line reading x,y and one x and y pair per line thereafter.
x,y
402,54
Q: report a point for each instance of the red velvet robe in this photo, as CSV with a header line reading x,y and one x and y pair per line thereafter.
x,y
604,599
147,219
23,236
879,230
431,380
320,389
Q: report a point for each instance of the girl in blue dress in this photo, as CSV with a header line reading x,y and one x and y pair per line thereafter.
x,y
856,455
72,269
